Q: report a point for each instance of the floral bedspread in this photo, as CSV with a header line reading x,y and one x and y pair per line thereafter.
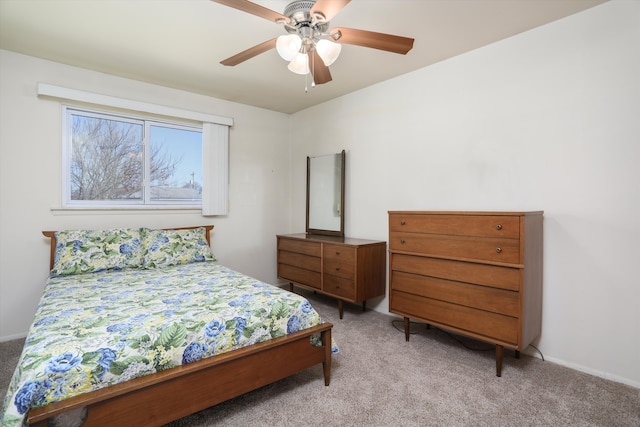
x,y
98,329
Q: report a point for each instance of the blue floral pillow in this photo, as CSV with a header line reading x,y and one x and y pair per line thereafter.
x,y
163,248
85,251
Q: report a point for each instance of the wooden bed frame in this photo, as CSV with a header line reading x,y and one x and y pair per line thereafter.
x,y
172,394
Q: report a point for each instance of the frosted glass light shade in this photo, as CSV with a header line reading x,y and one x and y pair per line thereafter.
x,y
300,65
288,46
328,51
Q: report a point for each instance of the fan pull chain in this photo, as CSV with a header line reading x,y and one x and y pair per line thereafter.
x,y
313,68
306,76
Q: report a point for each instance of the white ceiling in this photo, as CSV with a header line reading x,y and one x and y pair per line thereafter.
x,y
180,43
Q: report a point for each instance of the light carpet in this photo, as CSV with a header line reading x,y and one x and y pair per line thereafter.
x,y
435,379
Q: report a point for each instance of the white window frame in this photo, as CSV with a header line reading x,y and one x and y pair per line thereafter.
x,y
146,124
215,143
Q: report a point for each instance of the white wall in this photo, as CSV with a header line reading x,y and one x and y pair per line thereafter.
x,y
547,120
30,174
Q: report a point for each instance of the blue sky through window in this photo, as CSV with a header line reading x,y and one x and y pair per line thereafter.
x,y
185,147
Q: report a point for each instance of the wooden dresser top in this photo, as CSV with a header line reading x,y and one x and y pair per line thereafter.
x,y
331,239
476,213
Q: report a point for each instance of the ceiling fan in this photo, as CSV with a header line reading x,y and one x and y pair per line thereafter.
x,y
311,46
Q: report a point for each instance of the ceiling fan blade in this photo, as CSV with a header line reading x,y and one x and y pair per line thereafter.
x,y
250,53
388,42
254,9
328,8
319,71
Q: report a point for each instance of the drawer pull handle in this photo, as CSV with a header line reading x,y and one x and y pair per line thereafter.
x,y
337,252
402,241
499,227
498,250
402,222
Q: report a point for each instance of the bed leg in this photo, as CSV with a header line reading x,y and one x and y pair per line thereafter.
x,y
326,365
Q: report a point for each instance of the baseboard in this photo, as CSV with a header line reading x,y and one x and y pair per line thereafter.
x,y
594,372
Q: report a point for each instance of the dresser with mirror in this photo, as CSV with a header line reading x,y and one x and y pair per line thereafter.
x,y
322,259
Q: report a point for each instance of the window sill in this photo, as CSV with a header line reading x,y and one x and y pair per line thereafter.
x,y
123,210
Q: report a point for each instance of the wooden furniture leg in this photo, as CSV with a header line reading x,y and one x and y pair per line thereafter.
x,y
340,307
499,351
517,354
407,326
364,305
326,365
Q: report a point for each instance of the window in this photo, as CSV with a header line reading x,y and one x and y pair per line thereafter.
x,y
117,161
214,140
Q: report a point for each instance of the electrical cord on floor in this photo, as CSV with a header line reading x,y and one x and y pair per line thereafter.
x,y
461,342
539,352
399,325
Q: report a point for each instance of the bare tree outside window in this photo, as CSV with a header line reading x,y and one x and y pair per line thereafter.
x,y
106,161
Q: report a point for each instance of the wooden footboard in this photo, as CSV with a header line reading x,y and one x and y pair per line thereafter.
x,y
159,398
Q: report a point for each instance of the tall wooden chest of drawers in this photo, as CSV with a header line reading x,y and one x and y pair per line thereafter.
x,y
473,273
348,269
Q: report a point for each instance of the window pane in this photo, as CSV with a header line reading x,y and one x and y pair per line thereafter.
x,y
106,159
176,164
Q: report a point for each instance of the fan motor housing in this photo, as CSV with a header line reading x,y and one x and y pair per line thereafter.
x,y
299,14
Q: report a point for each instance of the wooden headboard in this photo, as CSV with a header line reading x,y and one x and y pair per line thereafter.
x,y
52,235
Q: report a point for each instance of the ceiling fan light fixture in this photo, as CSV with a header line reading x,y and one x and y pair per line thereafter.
x,y
328,51
288,46
300,65
308,25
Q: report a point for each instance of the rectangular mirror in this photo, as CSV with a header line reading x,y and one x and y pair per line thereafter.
x,y
325,194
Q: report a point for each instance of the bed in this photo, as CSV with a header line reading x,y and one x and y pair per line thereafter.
x,y
142,327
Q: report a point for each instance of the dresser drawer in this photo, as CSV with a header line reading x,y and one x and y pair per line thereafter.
x,y
299,260
339,286
461,271
339,253
458,225
337,268
299,275
300,246
481,297
478,322
478,248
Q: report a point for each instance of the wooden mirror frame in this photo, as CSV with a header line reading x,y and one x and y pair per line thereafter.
x,y
309,228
